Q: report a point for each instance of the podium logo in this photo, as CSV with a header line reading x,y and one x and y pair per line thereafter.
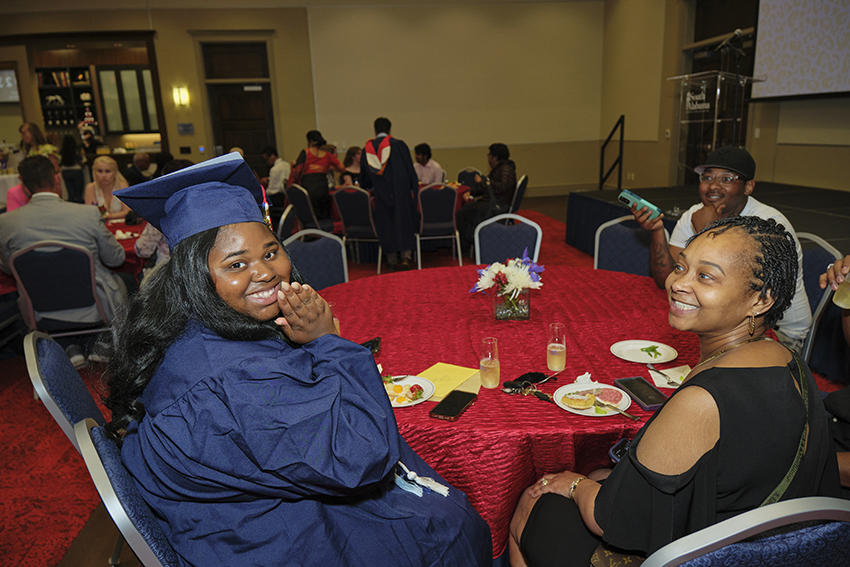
x,y
697,102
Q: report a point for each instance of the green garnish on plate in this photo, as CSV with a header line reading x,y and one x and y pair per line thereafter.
x,y
651,351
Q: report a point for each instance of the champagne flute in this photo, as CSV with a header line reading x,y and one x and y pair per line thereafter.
x,y
556,348
489,366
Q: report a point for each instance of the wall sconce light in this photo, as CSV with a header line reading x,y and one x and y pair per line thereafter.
x,y
181,96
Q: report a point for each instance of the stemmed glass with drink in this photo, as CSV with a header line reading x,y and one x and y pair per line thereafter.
x,y
489,362
556,347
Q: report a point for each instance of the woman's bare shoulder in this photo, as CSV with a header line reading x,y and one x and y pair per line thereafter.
x,y
691,421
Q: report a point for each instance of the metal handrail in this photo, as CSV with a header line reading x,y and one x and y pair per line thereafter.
x,y
603,176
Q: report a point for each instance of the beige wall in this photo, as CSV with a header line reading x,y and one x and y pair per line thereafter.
x,y
547,78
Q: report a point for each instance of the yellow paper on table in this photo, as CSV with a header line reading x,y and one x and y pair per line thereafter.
x,y
448,377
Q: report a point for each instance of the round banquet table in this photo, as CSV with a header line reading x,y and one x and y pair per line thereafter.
x,y
503,443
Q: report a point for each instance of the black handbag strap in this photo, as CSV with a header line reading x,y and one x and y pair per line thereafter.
x,y
801,448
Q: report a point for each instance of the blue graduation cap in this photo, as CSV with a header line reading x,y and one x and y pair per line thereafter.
x,y
213,193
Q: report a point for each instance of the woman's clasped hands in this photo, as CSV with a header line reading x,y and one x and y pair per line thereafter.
x,y
305,316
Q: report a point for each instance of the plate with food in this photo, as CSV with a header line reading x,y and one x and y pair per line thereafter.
x,y
581,399
407,391
644,351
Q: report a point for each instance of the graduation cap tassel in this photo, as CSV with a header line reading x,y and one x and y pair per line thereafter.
x,y
266,216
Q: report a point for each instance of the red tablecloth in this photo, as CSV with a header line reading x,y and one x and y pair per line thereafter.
x,y
132,263
503,443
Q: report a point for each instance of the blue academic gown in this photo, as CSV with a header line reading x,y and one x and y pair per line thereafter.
x,y
258,453
396,220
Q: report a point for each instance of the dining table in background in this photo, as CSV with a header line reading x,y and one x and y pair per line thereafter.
x,y
132,263
503,443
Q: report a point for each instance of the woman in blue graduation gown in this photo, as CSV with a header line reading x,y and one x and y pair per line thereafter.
x,y
257,435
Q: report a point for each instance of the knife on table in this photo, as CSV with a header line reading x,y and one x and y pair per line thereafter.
x,y
606,405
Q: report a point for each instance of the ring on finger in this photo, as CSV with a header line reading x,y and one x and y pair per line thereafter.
x,y
544,481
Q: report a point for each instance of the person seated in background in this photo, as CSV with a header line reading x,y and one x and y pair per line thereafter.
x,y
236,402
427,170
48,217
725,190
730,284
32,140
107,179
19,195
311,172
138,171
161,159
72,172
491,195
278,174
838,403
351,163
151,242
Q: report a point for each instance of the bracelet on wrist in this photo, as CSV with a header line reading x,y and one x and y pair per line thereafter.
x,y
573,486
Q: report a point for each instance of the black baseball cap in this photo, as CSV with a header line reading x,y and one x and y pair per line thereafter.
x,y
731,158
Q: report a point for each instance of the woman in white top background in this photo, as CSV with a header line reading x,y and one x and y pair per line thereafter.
x,y
107,179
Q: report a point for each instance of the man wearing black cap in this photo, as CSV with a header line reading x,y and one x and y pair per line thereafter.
x,y
725,189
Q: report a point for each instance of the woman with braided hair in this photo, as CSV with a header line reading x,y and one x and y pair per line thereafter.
x,y
746,414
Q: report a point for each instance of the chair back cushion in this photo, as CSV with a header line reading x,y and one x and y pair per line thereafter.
x,y
355,210
467,177
56,279
65,385
624,248
499,242
820,544
301,201
437,207
320,261
136,509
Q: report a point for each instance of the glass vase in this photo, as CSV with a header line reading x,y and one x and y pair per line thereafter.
x,y
507,309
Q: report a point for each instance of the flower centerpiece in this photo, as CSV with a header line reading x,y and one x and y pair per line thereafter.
x,y
511,284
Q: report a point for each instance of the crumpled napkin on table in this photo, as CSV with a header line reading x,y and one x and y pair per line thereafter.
x,y
677,374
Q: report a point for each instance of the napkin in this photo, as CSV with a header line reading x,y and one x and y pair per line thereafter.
x,y
676,374
447,377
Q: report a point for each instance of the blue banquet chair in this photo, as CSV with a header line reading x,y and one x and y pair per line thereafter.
x,y
518,194
467,175
817,255
121,498
300,199
358,225
319,256
437,203
621,245
497,242
286,222
732,543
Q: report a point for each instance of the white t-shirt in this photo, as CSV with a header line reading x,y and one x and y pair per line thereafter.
x,y
798,319
278,175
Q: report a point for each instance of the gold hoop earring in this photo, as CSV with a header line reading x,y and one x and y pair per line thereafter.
x,y
752,325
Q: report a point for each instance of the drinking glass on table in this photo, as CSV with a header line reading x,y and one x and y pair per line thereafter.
x,y
489,362
556,347
841,297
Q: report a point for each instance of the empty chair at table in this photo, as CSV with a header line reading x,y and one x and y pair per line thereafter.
x,y
507,236
621,245
319,257
731,284
358,224
437,218
300,199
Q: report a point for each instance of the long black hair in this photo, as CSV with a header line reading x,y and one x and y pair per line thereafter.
x,y
146,325
774,265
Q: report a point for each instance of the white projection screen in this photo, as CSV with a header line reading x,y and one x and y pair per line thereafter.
x,y
802,48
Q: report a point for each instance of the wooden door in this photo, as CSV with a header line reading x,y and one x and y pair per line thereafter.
x,y
242,116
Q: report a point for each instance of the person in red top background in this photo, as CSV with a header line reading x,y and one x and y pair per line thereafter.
x,y
310,172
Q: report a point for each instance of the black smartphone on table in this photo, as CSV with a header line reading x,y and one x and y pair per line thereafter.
x,y
453,405
642,392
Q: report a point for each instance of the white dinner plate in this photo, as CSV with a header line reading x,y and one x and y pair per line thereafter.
x,y
624,404
428,390
631,351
